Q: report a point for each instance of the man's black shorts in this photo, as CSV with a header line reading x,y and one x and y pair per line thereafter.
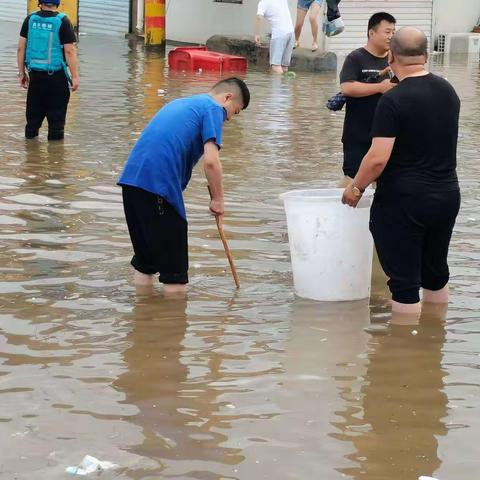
x,y
352,158
412,236
158,234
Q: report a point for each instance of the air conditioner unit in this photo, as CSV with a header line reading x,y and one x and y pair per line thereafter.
x,y
459,43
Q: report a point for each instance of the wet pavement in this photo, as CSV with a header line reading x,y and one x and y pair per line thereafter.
x,y
254,384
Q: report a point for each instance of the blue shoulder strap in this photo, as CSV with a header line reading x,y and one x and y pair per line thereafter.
x,y
61,16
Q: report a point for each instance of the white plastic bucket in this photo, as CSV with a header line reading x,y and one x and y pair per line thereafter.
x,y
330,244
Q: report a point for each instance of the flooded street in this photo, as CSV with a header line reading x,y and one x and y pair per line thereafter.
x,y
250,384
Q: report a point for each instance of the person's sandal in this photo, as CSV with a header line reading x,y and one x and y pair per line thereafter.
x,y
314,47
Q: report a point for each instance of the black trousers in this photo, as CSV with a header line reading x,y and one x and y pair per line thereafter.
x,y
412,236
48,96
352,157
159,235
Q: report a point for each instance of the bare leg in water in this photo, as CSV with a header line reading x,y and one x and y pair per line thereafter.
x,y
144,285
431,299
436,296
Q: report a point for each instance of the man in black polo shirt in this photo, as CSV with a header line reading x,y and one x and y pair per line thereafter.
x,y
365,76
413,158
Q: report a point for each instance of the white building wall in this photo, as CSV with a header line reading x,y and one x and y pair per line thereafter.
x,y
455,16
414,13
212,18
196,21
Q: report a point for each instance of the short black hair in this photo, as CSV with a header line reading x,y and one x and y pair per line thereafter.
x,y
377,18
237,83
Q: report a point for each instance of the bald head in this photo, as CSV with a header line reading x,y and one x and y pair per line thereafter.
x,y
409,45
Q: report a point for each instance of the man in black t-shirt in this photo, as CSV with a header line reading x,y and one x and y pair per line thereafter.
x,y
45,48
413,158
365,76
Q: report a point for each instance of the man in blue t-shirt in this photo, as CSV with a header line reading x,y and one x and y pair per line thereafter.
x,y
158,171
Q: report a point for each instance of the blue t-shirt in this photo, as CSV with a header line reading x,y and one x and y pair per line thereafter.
x,y
163,158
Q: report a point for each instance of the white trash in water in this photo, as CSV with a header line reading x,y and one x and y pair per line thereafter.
x,y
330,244
90,465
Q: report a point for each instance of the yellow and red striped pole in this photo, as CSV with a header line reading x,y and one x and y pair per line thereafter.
x,y
154,22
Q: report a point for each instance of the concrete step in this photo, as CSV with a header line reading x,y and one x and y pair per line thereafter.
x,y
303,60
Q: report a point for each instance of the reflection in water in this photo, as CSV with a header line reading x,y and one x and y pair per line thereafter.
x,y
177,416
326,342
395,424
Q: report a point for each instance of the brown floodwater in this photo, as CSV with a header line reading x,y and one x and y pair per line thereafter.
x,y
248,384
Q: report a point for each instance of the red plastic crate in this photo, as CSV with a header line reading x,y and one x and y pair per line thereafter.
x,y
199,58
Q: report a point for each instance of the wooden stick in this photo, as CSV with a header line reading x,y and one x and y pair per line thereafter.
x,y
225,247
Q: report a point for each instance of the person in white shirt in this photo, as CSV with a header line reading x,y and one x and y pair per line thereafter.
x,y
277,13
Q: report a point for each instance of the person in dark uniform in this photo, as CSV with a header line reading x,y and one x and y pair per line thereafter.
x,y
45,49
413,158
365,76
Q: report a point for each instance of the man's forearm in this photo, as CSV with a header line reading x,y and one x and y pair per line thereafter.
x,y
359,89
214,173
258,25
21,59
72,62
372,166
370,169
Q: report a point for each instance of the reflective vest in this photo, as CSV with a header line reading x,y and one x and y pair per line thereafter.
x,y
44,50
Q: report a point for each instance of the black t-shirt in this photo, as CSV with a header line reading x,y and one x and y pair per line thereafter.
x,y
67,33
361,66
422,114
